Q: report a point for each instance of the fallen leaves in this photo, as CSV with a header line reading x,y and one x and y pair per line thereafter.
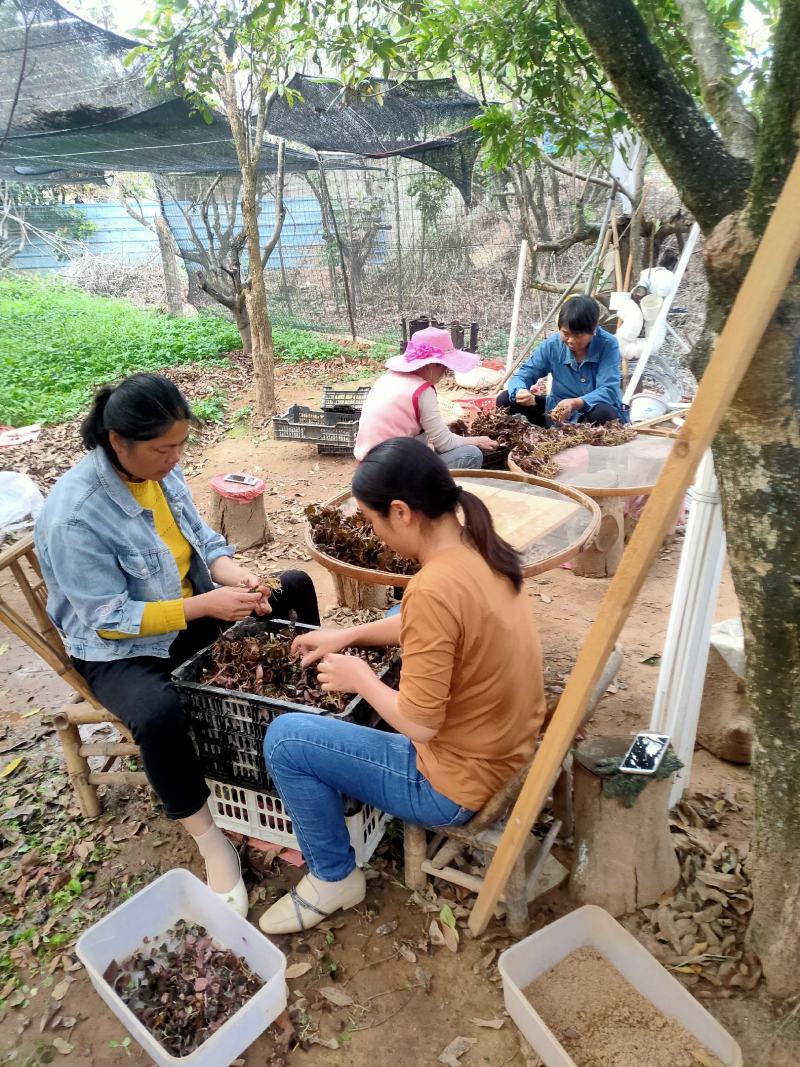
x,y
297,970
9,768
489,1024
338,997
451,1055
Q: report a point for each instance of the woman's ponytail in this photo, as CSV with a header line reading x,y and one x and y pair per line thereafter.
x,y
93,431
479,527
405,469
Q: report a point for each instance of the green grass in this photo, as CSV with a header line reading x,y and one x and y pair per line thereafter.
x,y
57,344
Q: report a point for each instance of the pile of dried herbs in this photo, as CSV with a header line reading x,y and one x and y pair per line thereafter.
x,y
349,538
535,453
263,665
184,987
507,429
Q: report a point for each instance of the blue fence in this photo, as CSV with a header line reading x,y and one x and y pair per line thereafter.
x,y
117,233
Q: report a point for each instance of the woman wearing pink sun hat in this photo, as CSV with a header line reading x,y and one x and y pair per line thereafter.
x,y
403,403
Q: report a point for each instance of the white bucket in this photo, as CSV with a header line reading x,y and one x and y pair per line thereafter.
x,y
645,406
150,913
592,927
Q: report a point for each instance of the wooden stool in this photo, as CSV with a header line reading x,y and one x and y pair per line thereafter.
x,y
237,511
624,857
41,636
359,596
601,558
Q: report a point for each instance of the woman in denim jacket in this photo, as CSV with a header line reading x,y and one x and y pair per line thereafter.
x,y
137,583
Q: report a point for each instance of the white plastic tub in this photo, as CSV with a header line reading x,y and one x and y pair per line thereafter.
x,y
150,913
592,927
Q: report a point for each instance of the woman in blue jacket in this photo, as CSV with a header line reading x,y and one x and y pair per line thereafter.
x,y
137,583
584,361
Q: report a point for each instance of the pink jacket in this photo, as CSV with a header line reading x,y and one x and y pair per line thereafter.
x,y
390,410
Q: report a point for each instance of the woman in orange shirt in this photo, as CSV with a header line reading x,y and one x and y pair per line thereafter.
x,y
466,717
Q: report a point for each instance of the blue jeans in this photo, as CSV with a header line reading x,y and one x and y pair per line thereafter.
x,y
316,762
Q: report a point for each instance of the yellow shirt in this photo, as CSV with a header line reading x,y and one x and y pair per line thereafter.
x,y
161,616
472,671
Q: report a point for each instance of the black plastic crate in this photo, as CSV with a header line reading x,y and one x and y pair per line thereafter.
x,y
344,401
228,727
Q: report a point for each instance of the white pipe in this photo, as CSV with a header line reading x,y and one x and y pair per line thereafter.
x,y
660,322
512,334
679,691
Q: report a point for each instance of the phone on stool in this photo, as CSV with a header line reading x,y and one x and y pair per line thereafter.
x,y
645,754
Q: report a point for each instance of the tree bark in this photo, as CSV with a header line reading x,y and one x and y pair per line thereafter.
x,y
664,111
173,283
757,451
726,107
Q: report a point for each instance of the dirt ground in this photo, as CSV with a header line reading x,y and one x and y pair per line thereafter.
x,y
410,1000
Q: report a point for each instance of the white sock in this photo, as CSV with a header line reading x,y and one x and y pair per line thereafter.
x,y
222,860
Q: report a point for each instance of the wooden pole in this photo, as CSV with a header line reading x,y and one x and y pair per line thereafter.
x,y
755,304
617,257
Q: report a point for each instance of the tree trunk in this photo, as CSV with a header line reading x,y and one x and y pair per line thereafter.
x,y
173,283
242,320
260,326
757,455
637,213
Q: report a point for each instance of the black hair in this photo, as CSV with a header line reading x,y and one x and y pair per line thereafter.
x,y
668,258
139,408
580,314
405,469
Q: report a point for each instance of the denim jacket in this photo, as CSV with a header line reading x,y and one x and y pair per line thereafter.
x,y
596,379
102,559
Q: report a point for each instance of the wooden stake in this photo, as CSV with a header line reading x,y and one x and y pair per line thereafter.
x,y
617,256
755,304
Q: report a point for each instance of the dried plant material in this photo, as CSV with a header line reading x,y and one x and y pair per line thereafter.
x,y
297,970
184,987
435,934
425,978
59,991
62,1046
451,1055
489,1024
263,665
349,538
507,429
407,953
386,928
534,454
338,997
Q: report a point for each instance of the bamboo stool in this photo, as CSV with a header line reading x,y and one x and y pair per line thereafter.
x,y
41,636
484,830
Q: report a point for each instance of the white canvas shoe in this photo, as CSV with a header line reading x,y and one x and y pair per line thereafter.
x,y
311,901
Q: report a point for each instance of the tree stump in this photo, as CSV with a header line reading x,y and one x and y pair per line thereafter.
x,y
360,596
725,727
624,857
601,558
241,523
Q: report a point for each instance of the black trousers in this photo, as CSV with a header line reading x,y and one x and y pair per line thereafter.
x,y
139,692
534,413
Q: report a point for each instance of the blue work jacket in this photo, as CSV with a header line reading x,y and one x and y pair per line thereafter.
x,y
102,559
596,379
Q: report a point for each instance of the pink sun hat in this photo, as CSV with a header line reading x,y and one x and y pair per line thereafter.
x,y
432,346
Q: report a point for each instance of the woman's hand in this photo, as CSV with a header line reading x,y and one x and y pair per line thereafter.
x,y
485,444
226,572
564,408
225,603
319,643
343,674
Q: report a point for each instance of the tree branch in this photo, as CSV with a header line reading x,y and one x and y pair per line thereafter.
x,y
280,207
726,107
780,133
665,112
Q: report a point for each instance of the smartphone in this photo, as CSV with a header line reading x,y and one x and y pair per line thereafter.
x,y
645,754
241,479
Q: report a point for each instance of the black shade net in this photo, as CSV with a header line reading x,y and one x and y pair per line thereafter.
x,y
428,121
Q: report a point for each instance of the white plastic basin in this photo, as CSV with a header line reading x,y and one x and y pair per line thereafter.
x,y
592,927
150,913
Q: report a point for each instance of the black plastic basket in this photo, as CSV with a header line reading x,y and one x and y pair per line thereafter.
x,y
228,727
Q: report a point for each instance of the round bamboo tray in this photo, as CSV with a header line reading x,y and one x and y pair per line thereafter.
x,y
595,492
375,577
